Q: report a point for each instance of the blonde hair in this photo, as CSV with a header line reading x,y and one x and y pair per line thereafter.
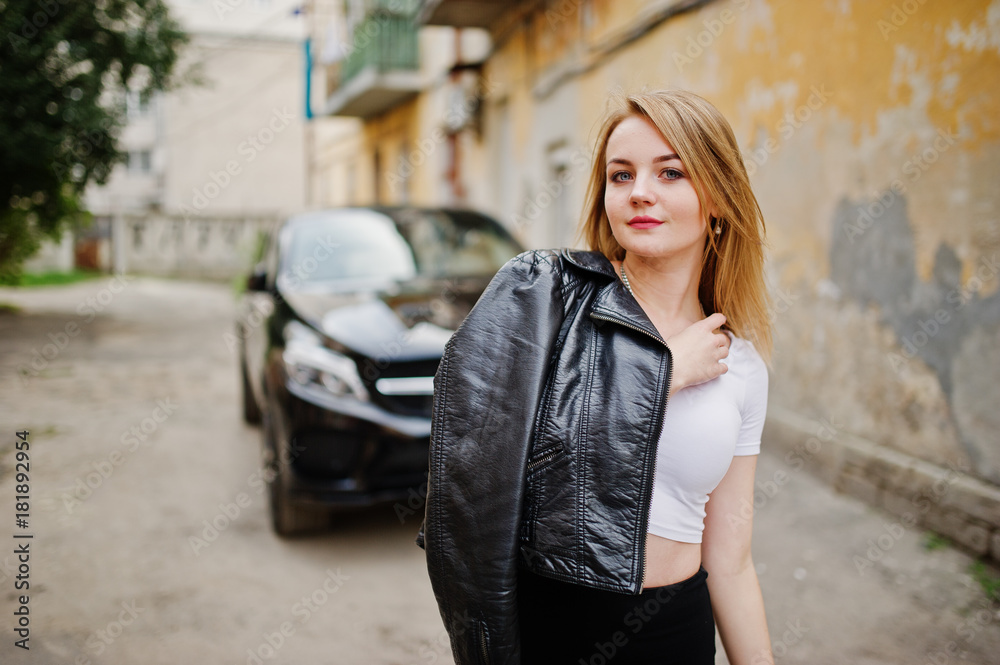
x,y
732,273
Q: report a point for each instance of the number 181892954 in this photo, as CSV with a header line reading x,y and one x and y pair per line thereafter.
x,y
22,512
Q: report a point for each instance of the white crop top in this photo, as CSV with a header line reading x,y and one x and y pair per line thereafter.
x,y
704,427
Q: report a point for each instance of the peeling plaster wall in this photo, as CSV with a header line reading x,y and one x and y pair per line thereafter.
x,y
871,129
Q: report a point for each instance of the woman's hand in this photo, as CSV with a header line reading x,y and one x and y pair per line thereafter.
x,y
696,352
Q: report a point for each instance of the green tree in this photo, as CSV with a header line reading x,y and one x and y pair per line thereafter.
x,y
65,67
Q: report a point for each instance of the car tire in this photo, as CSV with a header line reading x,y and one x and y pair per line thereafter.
x,y
287,518
251,410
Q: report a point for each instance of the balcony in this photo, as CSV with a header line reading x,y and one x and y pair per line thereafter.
x,y
462,13
382,69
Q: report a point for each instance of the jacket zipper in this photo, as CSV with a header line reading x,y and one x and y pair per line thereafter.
x,y
483,648
651,463
534,464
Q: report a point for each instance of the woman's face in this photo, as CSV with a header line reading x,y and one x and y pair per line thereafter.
x,y
650,200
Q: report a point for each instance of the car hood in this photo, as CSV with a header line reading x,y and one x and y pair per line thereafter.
x,y
406,322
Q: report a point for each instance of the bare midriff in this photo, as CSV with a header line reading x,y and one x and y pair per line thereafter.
x,y
670,561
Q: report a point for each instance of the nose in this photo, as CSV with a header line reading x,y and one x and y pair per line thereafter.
x,y
641,192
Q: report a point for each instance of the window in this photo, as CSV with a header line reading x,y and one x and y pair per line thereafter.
x,y
139,161
135,106
399,244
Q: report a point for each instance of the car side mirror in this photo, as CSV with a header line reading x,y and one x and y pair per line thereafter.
x,y
257,281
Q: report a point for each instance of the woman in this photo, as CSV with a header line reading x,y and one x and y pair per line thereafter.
x,y
572,516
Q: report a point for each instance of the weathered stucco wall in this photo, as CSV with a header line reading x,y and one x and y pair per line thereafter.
x,y
871,129
872,133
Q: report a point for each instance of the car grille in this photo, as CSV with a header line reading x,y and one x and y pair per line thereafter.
x,y
403,397
323,453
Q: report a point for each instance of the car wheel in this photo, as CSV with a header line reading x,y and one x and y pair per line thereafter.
x,y
251,410
287,518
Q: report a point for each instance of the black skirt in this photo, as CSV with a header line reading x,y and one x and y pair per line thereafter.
x,y
569,624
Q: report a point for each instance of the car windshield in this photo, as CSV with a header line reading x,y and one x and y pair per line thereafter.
x,y
371,245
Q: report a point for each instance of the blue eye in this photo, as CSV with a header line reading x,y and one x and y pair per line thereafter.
x,y
615,176
673,174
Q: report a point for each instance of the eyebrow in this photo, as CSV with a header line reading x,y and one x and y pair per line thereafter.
x,y
656,160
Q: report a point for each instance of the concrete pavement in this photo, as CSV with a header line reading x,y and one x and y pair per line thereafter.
x,y
843,583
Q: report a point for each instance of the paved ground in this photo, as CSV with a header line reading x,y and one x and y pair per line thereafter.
x,y
137,448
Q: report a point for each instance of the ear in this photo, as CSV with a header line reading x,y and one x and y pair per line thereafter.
x,y
712,210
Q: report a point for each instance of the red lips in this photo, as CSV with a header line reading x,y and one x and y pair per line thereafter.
x,y
644,222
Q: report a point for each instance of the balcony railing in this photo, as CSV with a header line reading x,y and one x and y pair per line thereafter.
x,y
382,68
384,41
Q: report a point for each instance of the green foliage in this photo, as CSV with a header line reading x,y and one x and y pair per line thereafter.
x,y
935,541
55,278
65,67
987,580
239,283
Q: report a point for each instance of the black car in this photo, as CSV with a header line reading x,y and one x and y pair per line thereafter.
x,y
341,329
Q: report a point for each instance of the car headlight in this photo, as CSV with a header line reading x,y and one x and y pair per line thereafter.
x,y
308,362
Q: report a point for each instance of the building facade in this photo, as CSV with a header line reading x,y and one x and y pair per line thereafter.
x,y
218,158
871,131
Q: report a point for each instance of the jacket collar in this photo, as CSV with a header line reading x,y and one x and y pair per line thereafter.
x,y
613,300
593,261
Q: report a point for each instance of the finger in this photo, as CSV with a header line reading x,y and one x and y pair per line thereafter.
x,y
714,321
717,370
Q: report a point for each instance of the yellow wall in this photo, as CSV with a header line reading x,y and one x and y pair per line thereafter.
x,y
839,107
842,109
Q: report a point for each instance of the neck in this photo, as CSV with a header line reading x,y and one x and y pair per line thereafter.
x,y
667,285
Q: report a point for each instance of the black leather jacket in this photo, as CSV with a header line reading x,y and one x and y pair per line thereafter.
x,y
548,404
